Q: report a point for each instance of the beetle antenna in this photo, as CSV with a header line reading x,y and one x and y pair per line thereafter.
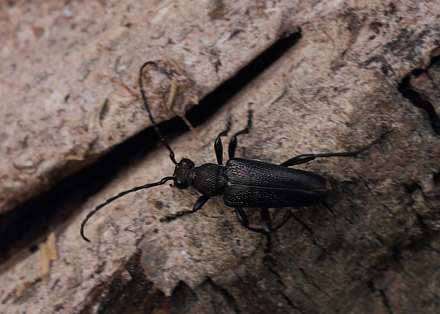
x,y
111,199
144,97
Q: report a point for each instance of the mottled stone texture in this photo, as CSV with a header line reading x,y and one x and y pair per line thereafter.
x,y
69,74
359,70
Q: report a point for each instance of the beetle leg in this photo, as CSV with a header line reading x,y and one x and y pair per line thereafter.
x,y
233,141
242,217
266,221
304,225
309,157
218,146
301,159
286,217
200,202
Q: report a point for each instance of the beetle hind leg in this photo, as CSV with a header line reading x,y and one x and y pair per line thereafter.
x,y
242,217
286,217
266,220
301,159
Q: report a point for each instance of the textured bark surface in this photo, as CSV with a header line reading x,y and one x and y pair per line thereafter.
x,y
359,69
69,74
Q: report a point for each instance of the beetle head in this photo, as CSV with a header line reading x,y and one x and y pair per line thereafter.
x,y
181,173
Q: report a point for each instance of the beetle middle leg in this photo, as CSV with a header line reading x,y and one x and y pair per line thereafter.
x,y
266,220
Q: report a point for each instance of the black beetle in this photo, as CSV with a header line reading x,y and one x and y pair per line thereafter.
x,y
242,182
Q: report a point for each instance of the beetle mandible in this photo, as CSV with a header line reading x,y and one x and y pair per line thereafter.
x,y
242,182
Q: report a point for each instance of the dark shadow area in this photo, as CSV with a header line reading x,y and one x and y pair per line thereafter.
x,y
407,90
25,226
38,216
138,295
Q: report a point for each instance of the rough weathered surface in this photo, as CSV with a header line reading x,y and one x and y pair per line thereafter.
x,y
69,74
425,92
375,247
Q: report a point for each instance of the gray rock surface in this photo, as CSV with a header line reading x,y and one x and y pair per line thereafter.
x,y
348,80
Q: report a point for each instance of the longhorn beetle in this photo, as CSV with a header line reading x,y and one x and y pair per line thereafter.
x,y
242,182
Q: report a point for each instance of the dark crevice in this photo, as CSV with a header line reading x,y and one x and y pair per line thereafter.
x,y
425,238
212,102
413,244
382,295
376,199
312,236
229,298
436,178
25,226
385,301
290,303
434,60
408,91
410,188
270,261
312,282
134,293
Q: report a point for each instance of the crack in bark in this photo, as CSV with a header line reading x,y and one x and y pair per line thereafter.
x,y
223,93
312,282
138,294
280,282
312,237
382,295
230,300
375,198
406,90
385,301
414,245
11,234
268,260
290,303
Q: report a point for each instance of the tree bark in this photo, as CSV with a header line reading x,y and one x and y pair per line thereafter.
x,y
352,73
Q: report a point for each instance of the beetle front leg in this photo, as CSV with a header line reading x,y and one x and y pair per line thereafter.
x,y
199,203
218,146
233,141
